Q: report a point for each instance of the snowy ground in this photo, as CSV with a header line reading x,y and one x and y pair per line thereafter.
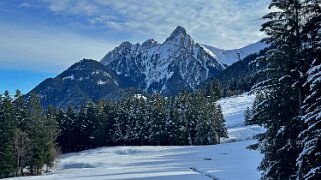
x,y
233,109
224,161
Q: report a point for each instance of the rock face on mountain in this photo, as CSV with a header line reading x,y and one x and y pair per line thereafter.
x,y
86,80
177,64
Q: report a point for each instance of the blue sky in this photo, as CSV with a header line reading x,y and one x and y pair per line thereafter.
x,y
41,38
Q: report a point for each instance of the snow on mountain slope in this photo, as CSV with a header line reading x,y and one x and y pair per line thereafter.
x,y
229,161
177,64
230,56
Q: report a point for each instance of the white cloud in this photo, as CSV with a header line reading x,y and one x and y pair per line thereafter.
x,y
48,50
25,5
222,23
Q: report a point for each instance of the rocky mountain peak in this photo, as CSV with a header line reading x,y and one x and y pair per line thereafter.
x,y
180,37
125,44
178,31
175,65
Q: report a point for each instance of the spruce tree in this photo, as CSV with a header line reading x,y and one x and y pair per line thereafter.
x,y
100,133
182,120
222,131
120,124
203,123
7,134
172,123
247,116
157,120
36,131
50,136
309,159
90,124
81,130
281,85
110,112
21,136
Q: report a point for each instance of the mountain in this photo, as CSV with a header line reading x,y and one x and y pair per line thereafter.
x,y
177,64
230,56
86,80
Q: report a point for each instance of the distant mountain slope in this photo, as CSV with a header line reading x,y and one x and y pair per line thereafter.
x,y
230,56
238,77
86,80
177,64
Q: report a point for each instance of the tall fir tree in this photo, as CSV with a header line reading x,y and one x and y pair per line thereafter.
x,y
220,123
50,136
120,124
309,159
110,112
157,120
100,133
21,136
248,116
281,85
7,134
35,129
90,124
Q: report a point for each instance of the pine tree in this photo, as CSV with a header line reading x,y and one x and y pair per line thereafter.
x,y
110,112
142,121
247,116
309,159
65,138
172,123
90,124
136,130
36,131
192,116
281,85
81,129
21,137
157,120
50,136
203,121
120,125
100,133
221,123
7,134
182,120
257,110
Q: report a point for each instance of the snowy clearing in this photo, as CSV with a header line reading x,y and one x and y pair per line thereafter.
x,y
224,161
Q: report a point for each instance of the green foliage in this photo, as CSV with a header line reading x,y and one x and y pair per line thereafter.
x,y
288,101
7,134
309,159
27,136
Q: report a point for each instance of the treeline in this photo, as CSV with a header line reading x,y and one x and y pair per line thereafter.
x,y
186,119
27,136
288,102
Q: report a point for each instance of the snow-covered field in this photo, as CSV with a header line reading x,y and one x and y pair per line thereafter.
x,y
230,160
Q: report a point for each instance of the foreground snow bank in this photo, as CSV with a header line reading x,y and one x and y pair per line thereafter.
x,y
224,161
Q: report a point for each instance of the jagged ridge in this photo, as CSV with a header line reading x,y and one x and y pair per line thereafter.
x,y
177,64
